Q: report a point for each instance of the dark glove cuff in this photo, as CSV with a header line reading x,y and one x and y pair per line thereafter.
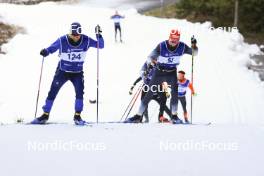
x,y
99,36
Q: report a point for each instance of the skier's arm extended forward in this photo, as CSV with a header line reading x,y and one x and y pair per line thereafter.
x,y
189,50
134,84
152,58
51,49
193,49
137,81
100,39
143,73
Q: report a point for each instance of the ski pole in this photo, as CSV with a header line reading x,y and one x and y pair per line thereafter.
x,y
191,114
130,103
97,91
40,77
138,93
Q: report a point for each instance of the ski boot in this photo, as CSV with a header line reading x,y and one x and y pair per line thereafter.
x,y
135,119
175,119
163,119
186,121
78,120
186,118
41,120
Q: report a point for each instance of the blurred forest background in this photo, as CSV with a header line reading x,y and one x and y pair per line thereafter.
x,y
247,15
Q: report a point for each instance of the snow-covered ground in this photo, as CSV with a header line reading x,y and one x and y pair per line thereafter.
x,y
229,96
112,149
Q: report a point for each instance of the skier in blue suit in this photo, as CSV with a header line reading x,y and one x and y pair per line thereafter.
x,y
72,51
166,56
117,18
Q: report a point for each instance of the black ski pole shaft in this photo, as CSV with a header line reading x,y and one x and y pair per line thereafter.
x,y
138,93
191,114
131,101
40,77
97,81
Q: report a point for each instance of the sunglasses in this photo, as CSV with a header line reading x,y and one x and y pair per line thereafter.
x,y
174,41
76,35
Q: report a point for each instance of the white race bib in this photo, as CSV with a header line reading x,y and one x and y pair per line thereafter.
x,y
73,56
169,60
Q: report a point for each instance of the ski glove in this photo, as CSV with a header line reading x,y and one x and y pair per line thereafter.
x,y
150,66
131,90
44,52
98,29
193,40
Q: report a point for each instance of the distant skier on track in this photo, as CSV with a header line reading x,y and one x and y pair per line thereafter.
x,y
183,84
160,96
166,56
72,51
117,18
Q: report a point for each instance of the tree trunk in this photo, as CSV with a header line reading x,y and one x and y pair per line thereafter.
x,y
236,13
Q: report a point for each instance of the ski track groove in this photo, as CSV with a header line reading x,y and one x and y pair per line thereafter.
x,y
221,77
